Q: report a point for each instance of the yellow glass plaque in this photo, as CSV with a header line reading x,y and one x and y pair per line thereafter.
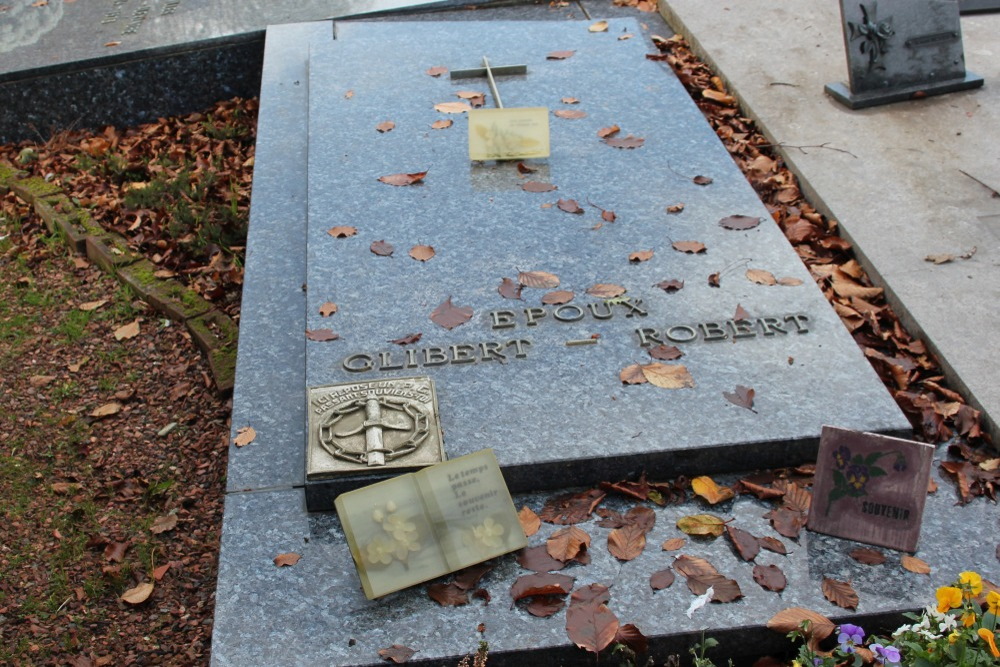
x,y
423,525
508,134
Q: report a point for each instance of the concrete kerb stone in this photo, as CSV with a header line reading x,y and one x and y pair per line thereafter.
x,y
214,332
32,188
167,296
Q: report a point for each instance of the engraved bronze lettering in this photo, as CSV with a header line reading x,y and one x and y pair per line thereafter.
x,y
383,362
633,307
559,313
769,325
502,319
351,363
799,320
691,333
741,328
519,344
606,315
492,351
712,331
463,353
533,315
435,356
411,358
647,336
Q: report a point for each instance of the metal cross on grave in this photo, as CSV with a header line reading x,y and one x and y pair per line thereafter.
x,y
489,72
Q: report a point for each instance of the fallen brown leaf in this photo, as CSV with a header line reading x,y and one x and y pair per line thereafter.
x,y
287,559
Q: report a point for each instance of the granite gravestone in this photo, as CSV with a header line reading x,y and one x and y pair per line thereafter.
x,y
900,50
316,613
538,376
130,61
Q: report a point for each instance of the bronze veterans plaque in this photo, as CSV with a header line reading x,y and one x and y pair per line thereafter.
x,y
870,488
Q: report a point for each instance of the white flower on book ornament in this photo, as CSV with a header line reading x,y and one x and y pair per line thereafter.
x,y
488,534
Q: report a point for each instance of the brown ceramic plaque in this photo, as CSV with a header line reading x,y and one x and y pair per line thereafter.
x,y
870,488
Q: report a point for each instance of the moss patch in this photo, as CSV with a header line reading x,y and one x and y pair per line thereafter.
x,y
30,189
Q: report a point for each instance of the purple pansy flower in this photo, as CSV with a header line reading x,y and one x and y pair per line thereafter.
x,y
857,476
841,456
886,655
850,636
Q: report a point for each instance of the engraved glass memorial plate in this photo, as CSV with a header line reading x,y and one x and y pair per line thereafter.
x,y
372,426
419,526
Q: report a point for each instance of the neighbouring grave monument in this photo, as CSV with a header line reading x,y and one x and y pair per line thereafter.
x,y
96,62
900,50
385,268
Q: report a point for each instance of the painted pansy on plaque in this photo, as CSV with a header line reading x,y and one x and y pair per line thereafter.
x,y
870,488
419,526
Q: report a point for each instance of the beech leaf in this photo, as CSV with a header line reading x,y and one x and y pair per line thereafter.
x,y
606,132
543,606
570,508
92,305
690,247
761,277
398,653
443,124
606,291
917,565
867,556
673,544
557,298
163,523
530,522
788,620
452,107
713,493
106,410
570,113
543,583
569,205
600,26
537,558
385,126
342,231
560,55
840,593
629,141
740,222
244,436
569,100
403,179
701,524
321,335
287,559
448,595
536,186
422,253
627,542
668,376
770,577
449,316
381,248
327,309
789,282
675,208
632,637
746,544
509,289
702,575
670,286
591,626
640,256
632,375
130,330
139,594
665,352
437,71
542,279
773,544
741,396
567,543
661,579
701,180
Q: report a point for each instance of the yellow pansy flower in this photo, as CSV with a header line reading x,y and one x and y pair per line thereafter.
x,y
973,581
948,597
953,637
968,619
988,637
993,602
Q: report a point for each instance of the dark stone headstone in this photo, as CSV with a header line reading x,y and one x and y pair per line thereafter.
x,y
514,376
85,64
901,50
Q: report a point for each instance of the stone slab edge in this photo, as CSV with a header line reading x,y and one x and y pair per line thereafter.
x,y
675,21
213,331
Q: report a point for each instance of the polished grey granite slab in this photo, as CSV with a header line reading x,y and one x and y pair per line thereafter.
x,y
561,412
315,612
